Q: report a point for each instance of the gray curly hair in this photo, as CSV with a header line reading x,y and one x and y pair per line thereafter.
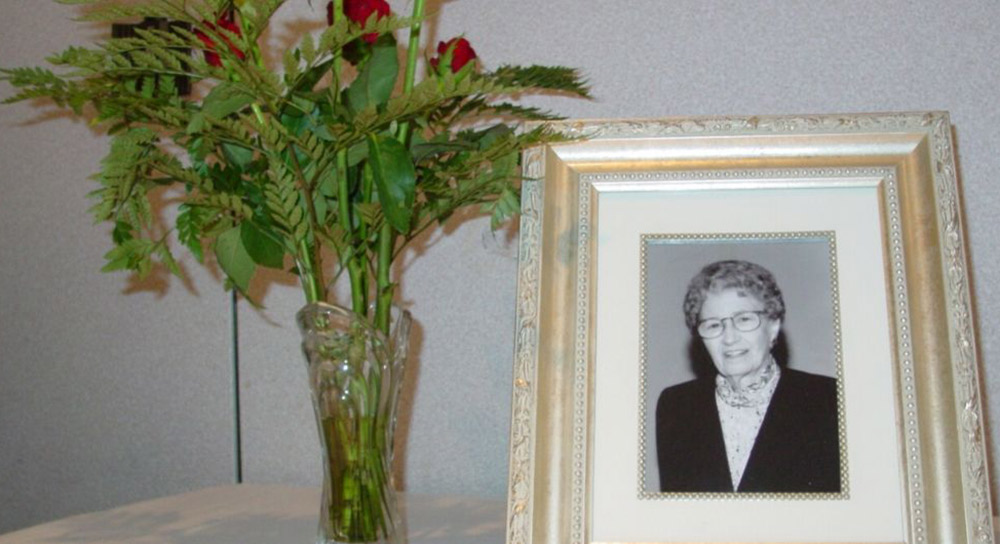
x,y
744,276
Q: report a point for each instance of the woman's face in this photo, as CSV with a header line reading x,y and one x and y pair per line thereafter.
x,y
738,356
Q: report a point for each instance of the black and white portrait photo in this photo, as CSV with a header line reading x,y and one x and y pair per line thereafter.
x,y
741,365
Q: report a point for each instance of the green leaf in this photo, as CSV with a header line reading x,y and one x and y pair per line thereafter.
x,y
374,84
490,136
294,121
132,254
291,64
422,151
328,183
226,98
234,258
395,180
308,79
506,207
506,166
122,232
118,258
357,153
115,263
237,155
303,104
322,206
262,248
308,48
197,123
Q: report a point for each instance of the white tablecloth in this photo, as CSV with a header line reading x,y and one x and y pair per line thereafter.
x,y
259,514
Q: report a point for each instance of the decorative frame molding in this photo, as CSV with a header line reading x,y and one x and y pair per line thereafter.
x,y
935,371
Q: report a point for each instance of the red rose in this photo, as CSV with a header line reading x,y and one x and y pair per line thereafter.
x,y
359,11
461,53
227,22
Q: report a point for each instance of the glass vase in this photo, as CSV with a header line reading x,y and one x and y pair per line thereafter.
x,y
355,376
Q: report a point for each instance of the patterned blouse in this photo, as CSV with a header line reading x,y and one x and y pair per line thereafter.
x,y
742,413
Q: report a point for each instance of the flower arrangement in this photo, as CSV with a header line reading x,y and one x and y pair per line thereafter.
x,y
341,155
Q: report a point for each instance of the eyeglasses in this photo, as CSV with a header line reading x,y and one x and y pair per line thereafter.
x,y
743,321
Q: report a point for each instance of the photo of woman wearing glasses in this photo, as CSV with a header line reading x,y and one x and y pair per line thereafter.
x,y
752,425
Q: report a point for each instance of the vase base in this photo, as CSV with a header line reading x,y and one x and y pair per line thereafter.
x,y
322,540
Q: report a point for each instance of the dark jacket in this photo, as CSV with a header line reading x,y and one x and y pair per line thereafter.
x,y
797,448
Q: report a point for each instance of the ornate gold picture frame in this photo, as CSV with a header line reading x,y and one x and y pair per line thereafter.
x,y
894,328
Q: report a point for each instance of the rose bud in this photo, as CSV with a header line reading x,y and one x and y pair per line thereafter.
x,y
359,11
462,53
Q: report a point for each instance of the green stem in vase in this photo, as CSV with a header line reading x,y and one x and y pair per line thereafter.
x,y
353,258
386,241
412,52
310,284
387,235
358,495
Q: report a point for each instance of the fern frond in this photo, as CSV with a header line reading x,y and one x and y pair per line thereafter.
x,y
262,81
31,76
170,117
241,130
206,11
307,47
168,165
177,35
313,146
136,208
191,222
274,134
174,60
427,95
488,177
272,82
162,250
258,19
116,11
227,202
147,62
343,31
132,254
35,82
189,37
504,206
283,203
145,37
79,57
481,105
291,64
119,169
552,78
523,112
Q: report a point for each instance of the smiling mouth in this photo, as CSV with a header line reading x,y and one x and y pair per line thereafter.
x,y
734,353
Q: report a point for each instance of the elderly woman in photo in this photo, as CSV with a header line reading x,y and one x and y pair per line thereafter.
x,y
754,426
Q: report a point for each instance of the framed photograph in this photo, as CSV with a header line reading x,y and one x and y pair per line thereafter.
x,y
752,329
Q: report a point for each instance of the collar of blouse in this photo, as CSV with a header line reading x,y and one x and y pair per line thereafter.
x,y
756,393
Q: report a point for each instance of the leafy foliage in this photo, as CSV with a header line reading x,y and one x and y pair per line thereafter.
x,y
274,167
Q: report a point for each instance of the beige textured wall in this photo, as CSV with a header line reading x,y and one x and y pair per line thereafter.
x,y
112,391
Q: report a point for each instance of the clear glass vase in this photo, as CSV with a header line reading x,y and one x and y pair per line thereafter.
x,y
355,376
